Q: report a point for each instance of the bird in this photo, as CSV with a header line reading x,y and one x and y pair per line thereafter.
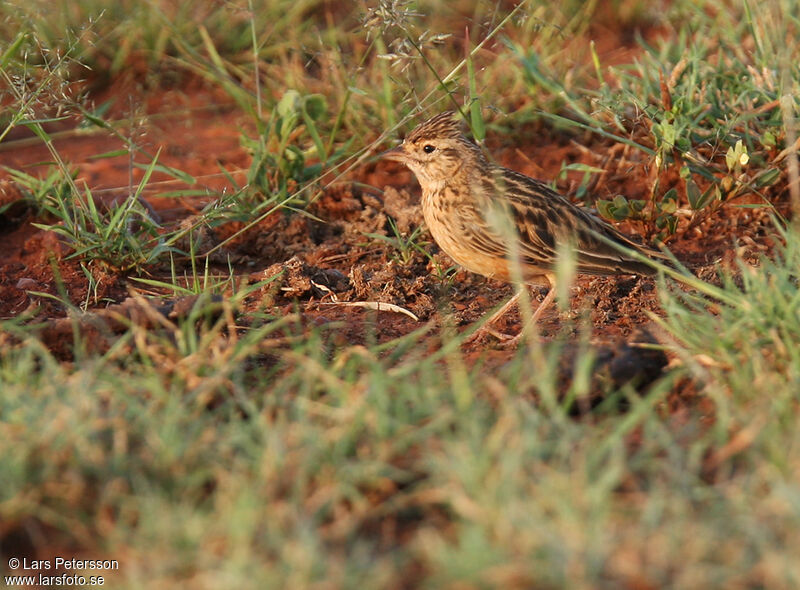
x,y
496,222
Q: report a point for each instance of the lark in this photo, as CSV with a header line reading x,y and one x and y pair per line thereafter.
x,y
492,220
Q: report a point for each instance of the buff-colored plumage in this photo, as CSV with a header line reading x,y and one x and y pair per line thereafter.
x,y
476,209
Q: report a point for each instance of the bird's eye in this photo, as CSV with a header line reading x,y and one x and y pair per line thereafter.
x,y
428,149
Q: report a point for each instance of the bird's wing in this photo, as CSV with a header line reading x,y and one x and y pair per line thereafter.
x,y
543,219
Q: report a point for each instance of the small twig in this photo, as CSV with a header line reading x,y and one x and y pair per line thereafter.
x,y
376,305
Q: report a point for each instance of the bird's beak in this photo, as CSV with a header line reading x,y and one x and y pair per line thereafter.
x,y
397,154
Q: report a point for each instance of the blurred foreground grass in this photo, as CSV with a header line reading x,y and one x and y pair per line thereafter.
x,y
229,461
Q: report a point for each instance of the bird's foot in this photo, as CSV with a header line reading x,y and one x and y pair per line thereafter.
x,y
487,330
506,340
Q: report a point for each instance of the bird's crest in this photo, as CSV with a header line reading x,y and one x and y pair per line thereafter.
x,y
442,125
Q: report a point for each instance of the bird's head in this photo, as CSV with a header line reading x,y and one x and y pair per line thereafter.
x,y
436,150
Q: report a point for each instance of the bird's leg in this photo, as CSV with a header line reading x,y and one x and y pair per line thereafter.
x,y
487,327
503,310
506,339
546,302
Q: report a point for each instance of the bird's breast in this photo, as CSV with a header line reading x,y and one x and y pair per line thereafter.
x,y
456,226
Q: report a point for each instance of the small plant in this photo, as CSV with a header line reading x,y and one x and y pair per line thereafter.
x,y
700,109
583,188
405,246
195,282
445,275
124,237
38,192
281,169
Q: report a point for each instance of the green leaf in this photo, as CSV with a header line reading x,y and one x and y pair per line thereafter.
x,y
37,130
670,195
637,205
111,154
579,167
768,177
287,106
683,144
208,42
95,116
604,208
147,173
616,210
173,172
693,193
9,53
315,106
668,206
698,200
184,193
312,131
668,134
476,120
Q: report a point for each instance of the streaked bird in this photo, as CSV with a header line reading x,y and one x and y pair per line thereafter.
x,y
483,215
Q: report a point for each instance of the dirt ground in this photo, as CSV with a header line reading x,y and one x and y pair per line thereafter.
x,y
328,264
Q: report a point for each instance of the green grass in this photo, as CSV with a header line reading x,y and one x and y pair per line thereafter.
x,y
196,458
251,451
694,103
